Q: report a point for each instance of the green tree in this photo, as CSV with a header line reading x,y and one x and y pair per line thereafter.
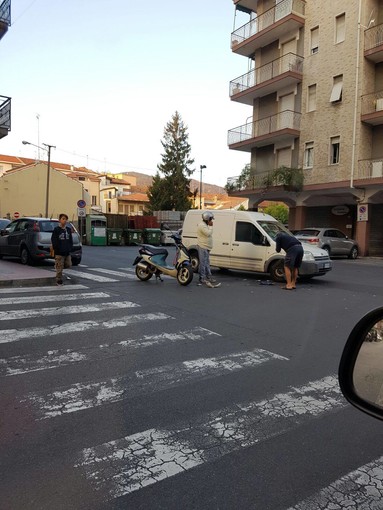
x,y
241,182
170,189
278,211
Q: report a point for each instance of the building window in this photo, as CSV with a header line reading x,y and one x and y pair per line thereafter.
x,y
314,40
337,89
309,155
94,200
311,98
120,208
340,28
108,207
131,208
334,150
284,157
106,195
81,178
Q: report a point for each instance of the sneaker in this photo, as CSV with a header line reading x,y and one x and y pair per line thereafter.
x,y
212,280
208,283
59,282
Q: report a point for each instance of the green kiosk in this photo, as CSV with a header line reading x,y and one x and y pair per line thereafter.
x,y
95,230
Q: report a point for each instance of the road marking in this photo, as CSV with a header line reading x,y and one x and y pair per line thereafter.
x,y
51,288
14,335
82,265
89,276
17,365
362,489
127,269
65,310
130,463
82,396
58,297
109,271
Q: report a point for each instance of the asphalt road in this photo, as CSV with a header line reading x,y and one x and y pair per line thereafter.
x,y
120,394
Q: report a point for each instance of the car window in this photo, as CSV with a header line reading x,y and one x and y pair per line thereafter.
x,y
272,228
307,232
340,234
328,233
247,233
48,226
11,227
21,225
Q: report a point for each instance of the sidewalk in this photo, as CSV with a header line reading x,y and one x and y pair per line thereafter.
x,y
14,274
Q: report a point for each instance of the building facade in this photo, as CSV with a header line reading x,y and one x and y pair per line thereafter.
x,y
315,92
5,101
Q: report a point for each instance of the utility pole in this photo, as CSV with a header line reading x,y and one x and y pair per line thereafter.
x,y
201,167
49,147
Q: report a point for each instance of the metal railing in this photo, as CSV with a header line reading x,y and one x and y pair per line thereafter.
x,y
283,120
5,12
289,62
268,18
5,113
254,181
373,37
369,169
372,103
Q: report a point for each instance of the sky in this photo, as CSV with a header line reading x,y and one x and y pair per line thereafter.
x,y
99,79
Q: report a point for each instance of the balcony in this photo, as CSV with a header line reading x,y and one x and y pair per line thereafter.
x,y
5,116
369,169
5,17
269,78
283,126
373,43
372,108
270,26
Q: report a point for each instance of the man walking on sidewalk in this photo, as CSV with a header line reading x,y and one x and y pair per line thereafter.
x,y
62,242
205,245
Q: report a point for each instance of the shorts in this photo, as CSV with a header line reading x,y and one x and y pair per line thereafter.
x,y
294,256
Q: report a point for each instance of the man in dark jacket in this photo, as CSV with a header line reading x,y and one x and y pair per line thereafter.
x,y
293,258
62,242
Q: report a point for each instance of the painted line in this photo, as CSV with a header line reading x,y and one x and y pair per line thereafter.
x,y
130,463
89,276
51,288
49,299
14,335
362,489
17,365
127,269
79,396
82,265
109,271
65,310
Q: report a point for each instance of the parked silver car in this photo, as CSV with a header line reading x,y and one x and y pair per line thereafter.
x,y
332,240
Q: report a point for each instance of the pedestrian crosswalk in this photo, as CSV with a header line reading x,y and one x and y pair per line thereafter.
x,y
121,329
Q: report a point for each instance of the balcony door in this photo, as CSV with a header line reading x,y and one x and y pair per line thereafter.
x,y
286,61
286,106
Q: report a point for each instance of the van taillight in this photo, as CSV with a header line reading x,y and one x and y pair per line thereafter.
x,y
36,227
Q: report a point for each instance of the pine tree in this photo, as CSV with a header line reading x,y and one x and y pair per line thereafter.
x,y
170,189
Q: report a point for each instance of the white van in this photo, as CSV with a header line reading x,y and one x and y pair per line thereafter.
x,y
245,240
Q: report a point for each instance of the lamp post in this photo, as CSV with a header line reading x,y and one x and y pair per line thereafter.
x,y
47,148
201,167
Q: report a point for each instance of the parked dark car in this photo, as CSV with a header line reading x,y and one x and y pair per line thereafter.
x,y
30,240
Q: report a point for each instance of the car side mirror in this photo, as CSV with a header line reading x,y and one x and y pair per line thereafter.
x,y
361,366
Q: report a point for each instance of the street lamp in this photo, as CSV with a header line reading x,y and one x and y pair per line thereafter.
x,y
47,148
201,167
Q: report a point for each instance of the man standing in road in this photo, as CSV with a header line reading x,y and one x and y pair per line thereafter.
x,y
205,245
62,243
293,258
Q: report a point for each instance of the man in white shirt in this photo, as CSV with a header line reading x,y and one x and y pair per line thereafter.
x,y
205,245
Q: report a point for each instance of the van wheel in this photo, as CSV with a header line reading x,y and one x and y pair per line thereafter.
x,y
194,261
277,271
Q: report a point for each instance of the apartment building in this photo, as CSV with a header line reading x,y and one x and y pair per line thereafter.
x,y
5,101
314,85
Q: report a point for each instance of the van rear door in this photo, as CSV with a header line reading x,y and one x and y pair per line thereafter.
x,y
248,252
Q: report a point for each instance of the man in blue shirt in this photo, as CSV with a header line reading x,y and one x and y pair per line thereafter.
x,y
293,258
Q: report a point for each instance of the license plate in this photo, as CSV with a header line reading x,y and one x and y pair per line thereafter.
x,y
327,265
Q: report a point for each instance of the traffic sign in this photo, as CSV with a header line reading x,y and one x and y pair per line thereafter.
x,y
81,204
81,213
16,215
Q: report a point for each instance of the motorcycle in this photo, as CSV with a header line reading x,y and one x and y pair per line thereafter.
x,y
152,261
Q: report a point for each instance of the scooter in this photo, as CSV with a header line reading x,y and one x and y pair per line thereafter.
x,y
152,261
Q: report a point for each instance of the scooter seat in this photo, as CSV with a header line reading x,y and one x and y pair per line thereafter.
x,y
155,250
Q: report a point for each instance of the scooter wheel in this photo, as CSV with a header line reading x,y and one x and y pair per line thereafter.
x,y
143,274
185,275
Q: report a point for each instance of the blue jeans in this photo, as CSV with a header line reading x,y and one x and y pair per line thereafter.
x,y
204,264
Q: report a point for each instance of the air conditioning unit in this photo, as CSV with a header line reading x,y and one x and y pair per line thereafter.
x,y
377,169
379,104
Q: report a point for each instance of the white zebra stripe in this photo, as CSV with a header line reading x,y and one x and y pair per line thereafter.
x,y
127,269
81,396
89,276
14,335
17,365
49,299
361,489
130,463
65,310
111,272
51,288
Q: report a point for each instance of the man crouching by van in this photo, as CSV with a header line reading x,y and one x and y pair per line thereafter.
x,y
205,245
293,258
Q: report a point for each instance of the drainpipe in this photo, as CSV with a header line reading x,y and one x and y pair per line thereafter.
x,y
356,96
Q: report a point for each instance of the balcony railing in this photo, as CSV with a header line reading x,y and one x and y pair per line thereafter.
x,y
266,126
369,169
268,18
5,115
289,62
5,12
373,37
372,103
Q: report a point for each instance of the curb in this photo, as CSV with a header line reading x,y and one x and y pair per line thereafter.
x,y
28,282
